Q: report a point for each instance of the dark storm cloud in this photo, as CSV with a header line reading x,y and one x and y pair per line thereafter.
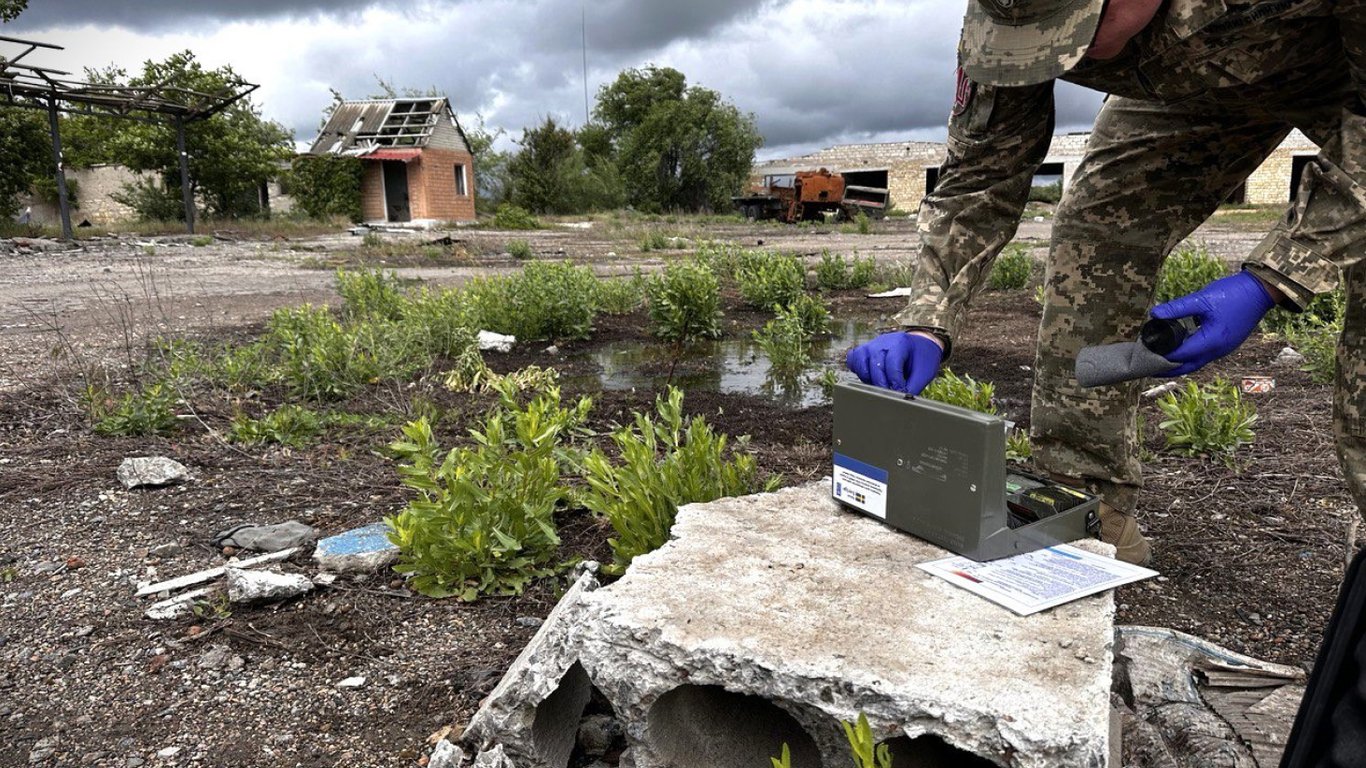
x,y
155,15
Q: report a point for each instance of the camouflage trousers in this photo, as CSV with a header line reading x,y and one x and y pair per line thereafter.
x,y
1151,175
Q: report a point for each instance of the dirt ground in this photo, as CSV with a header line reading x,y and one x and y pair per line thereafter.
x,y
1251,556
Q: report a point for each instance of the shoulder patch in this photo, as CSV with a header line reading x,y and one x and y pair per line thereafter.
x,y
962,97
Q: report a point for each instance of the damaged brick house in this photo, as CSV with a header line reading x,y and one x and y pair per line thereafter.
x,y
416,158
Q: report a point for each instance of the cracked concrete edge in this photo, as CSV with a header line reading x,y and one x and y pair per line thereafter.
x,y
506,716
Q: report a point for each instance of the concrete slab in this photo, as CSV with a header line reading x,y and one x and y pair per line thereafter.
x,y
362,550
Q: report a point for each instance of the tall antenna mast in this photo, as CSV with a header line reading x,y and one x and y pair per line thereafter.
x,y
583,11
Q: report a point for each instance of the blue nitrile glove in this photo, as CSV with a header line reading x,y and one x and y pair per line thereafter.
x,y
1227,310
901,361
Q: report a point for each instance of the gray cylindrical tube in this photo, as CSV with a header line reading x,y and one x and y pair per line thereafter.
x,y
1116,363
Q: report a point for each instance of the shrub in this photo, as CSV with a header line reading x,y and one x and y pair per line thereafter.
x,y
324,186
834,273
201,241
240,368
826,380
1326,309
370,293
654,240
1018,447
812,314
685,302
544,300
1209,420
509,216
1046,193
722,258
621,296
1317,340
664,463
519,249
864,224
1011,270
770,279
151,200
439,323
290,425
483,520
150,411
785,342
322,360
1186,271
964,392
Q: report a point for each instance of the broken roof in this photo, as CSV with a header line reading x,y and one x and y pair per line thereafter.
x,y
358,128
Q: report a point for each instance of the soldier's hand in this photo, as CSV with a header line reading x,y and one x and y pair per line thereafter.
x,y
1227,310
902,361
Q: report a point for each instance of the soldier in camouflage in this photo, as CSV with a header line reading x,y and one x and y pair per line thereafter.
x,y
1201,92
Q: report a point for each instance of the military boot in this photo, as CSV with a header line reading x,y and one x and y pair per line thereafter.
x,y
1121,530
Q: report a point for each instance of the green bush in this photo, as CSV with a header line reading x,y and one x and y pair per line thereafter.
x,y
864,224
621,296
324,186
439,323
322,360
370,293
1018,446
663,463
509,216
654,240
813,315
1046,193
1186,271
770,279
149,411
545,300
685,302
1209,420
964,392
1012,270
835,273
722,258
1317,340
151,200
785,341
519,249
483,520
290,425
1326,309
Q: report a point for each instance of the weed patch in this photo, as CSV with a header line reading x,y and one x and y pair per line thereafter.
x,y
1207,420
685,302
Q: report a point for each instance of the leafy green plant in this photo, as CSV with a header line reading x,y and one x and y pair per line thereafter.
x,y
322,360
784,760
439,323
148,411
370,293
1011,270
1187,270
826,380
1207,420
290,425
812,314
1018,447
509,216
519,249
962,391
1046,193
722,258
864,224
621,296
664,462
1326,309
785,341
685,302
653,240
483,520
770,279
1317,340
544,300
201,241
835,273
326,185
867,752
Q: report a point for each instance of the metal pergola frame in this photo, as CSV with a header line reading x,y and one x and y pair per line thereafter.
x,y
33,87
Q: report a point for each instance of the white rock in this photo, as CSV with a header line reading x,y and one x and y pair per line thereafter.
x,y
1162,389
495,342
151,472
352,682
1289,358
261,586
446,755
169,752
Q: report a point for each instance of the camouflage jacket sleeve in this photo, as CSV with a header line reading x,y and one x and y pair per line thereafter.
x,y
1325,229
997,139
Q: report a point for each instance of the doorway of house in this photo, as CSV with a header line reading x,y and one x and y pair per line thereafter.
x,y
396,191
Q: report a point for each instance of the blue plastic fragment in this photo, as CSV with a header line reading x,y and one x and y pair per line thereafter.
x,y
361,541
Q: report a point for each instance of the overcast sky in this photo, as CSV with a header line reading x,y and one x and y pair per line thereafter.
x,y
813,72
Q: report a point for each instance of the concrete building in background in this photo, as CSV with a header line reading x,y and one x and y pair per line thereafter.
x,y
417,161
908,170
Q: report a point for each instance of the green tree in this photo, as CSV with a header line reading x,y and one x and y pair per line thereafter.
x,y
10,9
25,154
677,147
231,153
545,172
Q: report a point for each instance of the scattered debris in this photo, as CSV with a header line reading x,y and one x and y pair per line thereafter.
x,y
895,293
212,573
352,682
362,550
1290,358
495,342
165,550
552,350
267,538
446,755
1258,385
176,607
265,586
151,472
169,752
1162,389
42,750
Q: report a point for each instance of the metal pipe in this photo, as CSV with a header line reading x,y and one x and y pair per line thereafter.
x,y
184,173
63,204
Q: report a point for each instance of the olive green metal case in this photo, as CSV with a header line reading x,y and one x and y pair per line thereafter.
x,y
939,472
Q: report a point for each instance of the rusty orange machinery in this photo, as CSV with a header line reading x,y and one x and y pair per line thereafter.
x,y
809,196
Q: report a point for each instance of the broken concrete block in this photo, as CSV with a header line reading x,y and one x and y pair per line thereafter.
x,y
362,550
769,619
534,712
495,342
151,472
267,538
446,755
1290,358
176,607
264,586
